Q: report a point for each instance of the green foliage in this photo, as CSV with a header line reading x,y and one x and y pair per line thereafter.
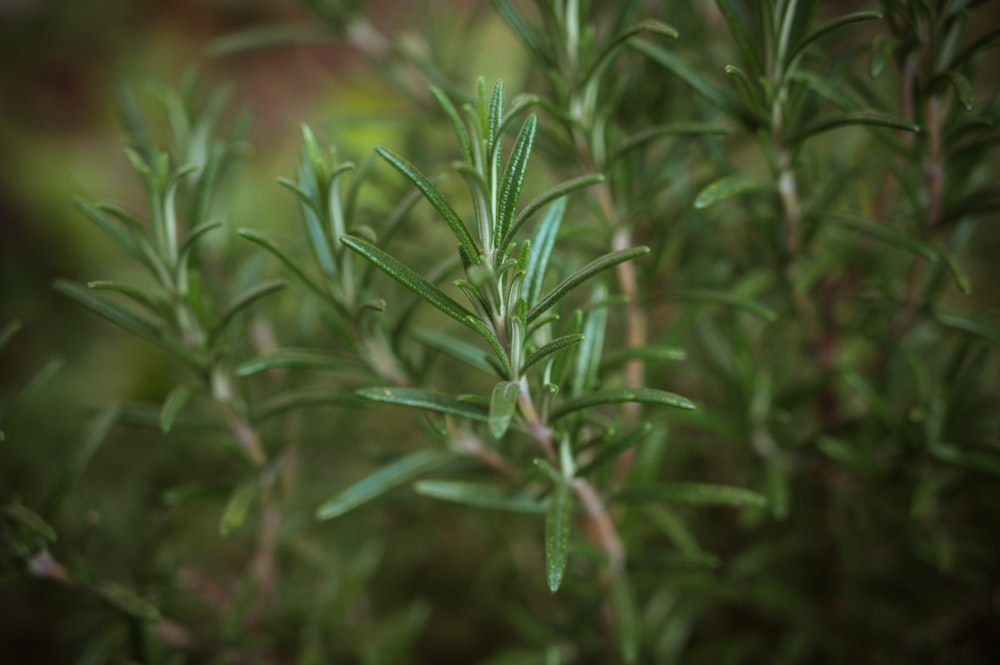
x,y
782,202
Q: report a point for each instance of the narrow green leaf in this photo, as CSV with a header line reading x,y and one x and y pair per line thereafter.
x,y
610,451
555,346
885,233
829,27
126,241
588,357
129,602
9,331
513,179
176,400
499,353
456,348
434,196
242,302
550,471
290,357
503,405
970,326
870,118
984,460
729,299
131,292
513,17
678,533
647,354
557,531
583,274
494,119
546,197
256,39
541,249
388,477
290,263
963,89
409,278
29,519
110,311
727,187
95,434
625,613
682,129
425,399
617,396
740,25
615,44
456,122
289,400
196,233
696,493
884,48
237,508
480,495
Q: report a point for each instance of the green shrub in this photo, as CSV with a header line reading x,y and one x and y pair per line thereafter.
x,y
689,356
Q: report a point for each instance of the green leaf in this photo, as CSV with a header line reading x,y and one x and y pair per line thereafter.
x,y
242,302
557,531
8,333
617,396
885,233
682,129
456,122
425,399
503,405
583,274
625,611
409,278
434,196
238,507
288,400
963,89
546,197
28,518
388,477
727,187
883,49
112,312
131,292
613,45
129,601
679,534
970,326
480,495
555,346
452,346
829,27
176,400
513,17
290,263
696,493
647,354
541,250
870,118
610,451
290,357
513,179
984,460
124,239
588,359
729,299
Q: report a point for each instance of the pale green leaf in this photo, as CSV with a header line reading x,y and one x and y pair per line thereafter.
x,y
583,274
28,518
696,493
557,532
129,601
425,399
617,396
288,358
729,186
176,400
503,405
237,507
480,495
546,197
388,477
243,302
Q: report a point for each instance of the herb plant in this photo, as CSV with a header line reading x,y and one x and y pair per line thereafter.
x,y
688,357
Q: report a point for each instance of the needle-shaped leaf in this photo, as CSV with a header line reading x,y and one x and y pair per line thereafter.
x,y
648,354
290,263
884,233
963,89
541,249
426,399
176,400
8,332
388,477
434,196
290,357
242,302
682,129
696,493
289,400
610,451
509,13
113,229
237,508
111,311
729,299
727,187
452,346
513,179
461,133
555,346
503,405
480,495
617,396
861,118
625,613
408,278
970,326
588,358
129,601
583,274
158,309
615,44
829,27
29,519
557,532
546,197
